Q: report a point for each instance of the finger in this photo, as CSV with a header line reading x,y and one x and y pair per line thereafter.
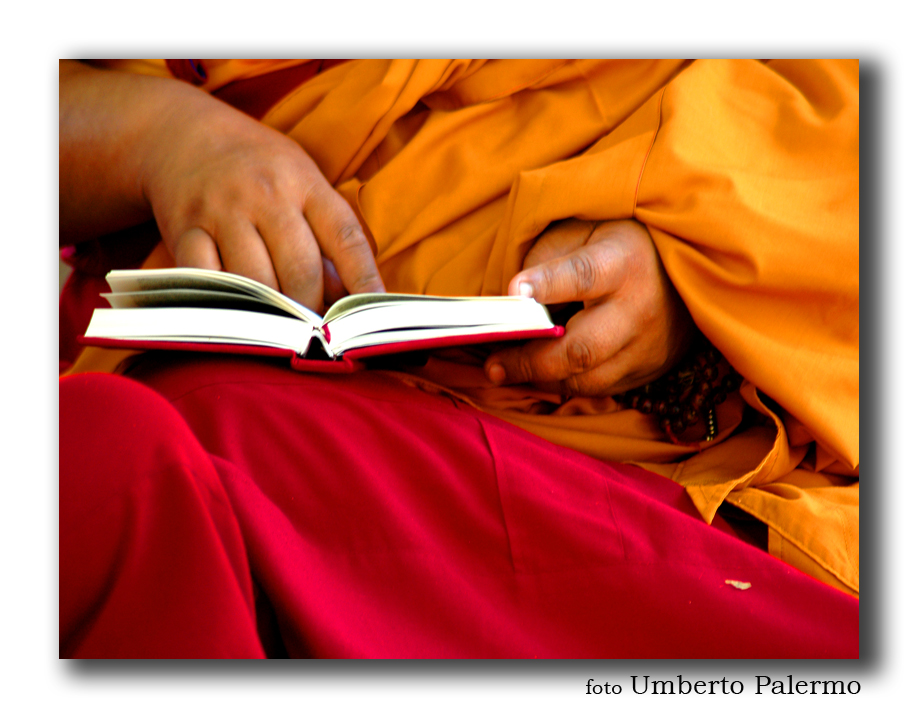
x,y
196,248
611,377
588,272
592,337
606,380
333,287
342,240
295,256
244,252
558,240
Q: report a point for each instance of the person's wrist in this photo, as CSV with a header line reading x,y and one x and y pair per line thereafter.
x,y
173,113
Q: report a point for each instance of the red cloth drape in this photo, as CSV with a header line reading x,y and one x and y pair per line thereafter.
x,y
218,507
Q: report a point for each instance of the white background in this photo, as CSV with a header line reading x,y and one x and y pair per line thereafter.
x,y
32,678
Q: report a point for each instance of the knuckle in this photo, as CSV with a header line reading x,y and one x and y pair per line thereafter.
x,y
546,282
214,200
349,238
354,258
194,206
220,199
267,185
583,272
522,369
311,187
579,356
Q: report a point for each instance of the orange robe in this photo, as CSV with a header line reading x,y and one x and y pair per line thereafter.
x,y
745,173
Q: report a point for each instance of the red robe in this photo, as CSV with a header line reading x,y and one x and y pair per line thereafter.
x,y
228,507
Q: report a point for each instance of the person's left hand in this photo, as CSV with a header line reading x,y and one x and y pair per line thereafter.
x,y
632,329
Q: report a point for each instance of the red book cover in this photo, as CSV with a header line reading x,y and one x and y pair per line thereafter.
x,y
349,361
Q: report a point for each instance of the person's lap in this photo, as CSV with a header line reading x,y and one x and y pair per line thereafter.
x,y
356,516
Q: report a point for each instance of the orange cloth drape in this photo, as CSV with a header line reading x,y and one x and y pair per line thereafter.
x,y
746,174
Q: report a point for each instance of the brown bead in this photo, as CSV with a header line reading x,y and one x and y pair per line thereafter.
x,y
689,392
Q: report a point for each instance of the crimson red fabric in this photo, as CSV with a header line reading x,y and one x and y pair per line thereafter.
x,y
231,507
253,95
91,261
79,298
256,95
188,70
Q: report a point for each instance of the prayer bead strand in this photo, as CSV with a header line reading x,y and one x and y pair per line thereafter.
x,y
688,394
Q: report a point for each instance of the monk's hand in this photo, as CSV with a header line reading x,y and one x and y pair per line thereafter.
x,y
230,193
633,326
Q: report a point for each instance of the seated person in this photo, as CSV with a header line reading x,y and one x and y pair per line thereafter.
x,y
687,451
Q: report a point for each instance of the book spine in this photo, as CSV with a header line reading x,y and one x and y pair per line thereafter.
x,y
321,335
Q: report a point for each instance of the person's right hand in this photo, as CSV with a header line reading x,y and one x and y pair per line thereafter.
x,y
229,192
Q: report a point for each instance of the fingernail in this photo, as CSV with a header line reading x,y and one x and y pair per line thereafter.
x,y
496,374
526,289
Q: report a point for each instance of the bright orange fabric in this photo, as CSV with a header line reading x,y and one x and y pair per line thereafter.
x,y
746,174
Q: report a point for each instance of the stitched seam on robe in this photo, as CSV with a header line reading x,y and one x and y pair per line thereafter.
x,y
653,140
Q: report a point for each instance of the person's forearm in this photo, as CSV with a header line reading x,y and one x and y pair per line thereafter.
x,y
106,120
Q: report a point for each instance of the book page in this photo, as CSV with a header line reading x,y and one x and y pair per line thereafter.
x,y
191,298
397,336
145,280
357,302
477,315
202,325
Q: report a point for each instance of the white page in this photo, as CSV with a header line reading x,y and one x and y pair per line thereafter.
x,y
510,312
405,335
196,324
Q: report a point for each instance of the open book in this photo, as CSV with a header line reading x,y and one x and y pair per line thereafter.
x,y
205,310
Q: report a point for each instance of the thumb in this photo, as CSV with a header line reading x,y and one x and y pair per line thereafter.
x,y
589,272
